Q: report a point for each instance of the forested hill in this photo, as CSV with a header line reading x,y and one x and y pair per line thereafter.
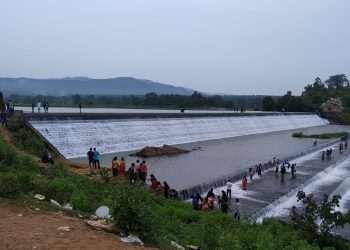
x,y
87,86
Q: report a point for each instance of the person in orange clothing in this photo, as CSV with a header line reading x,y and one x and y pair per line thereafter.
x,y
115,166
244,183
122,168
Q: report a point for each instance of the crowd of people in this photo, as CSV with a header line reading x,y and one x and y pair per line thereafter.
x,y
136,173
208,203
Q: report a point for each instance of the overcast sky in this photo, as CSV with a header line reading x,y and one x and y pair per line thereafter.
x,y
217,46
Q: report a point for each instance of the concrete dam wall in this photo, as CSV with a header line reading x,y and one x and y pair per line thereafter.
x,y
72,138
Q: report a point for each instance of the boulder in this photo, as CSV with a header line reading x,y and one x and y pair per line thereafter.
x,y
159,151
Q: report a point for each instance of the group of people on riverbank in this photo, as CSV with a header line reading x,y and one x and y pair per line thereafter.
x,y
94,158
137,172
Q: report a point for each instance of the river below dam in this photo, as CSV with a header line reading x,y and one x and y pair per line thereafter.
x,y
216,158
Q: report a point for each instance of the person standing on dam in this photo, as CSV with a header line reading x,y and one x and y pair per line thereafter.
x,y
97,158
237,215
90,156
244,183
33,106
223,201
228,188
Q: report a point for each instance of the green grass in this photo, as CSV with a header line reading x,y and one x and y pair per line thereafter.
x,y
25,139
321,136
136,209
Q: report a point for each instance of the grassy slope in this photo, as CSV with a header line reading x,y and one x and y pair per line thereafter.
x,y
135,209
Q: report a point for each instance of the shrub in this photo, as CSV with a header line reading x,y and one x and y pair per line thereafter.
x,y
134,212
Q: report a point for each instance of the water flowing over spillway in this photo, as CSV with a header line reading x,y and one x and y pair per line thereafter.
x,y
73,138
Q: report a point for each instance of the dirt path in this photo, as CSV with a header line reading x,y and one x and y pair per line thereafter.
x,y
22,228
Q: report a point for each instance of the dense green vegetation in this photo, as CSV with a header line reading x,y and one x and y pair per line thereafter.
x,y
150,100
321,136
25,139
337,86
324,213
137,210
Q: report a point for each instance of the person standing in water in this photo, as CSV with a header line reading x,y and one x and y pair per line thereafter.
x,y
228,188
244,183
237,210
224,202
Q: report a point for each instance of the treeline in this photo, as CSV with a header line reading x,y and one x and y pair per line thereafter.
x,y
312,97
150,100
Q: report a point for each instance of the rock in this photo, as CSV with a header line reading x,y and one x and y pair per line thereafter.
x,y
55,203
39,197
37,209
65,228
159,151
20,215
103,212
132,239
68,206
98,225
176,245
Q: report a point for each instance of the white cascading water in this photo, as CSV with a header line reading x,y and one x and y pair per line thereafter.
x,y
335,173
73,138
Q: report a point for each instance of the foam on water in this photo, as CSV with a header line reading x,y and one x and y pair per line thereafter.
x,y
282,206
72,138
344,191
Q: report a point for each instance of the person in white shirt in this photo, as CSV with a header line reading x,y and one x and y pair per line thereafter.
x,y
228,188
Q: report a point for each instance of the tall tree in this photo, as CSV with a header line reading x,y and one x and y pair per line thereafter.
x,y
268,104
337,81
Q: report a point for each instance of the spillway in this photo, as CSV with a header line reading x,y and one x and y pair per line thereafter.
x,y
73,137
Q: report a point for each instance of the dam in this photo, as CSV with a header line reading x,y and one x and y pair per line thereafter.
x,y
226,145
221,144
72,137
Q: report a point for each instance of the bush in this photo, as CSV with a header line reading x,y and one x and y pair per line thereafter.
x,y
25,139
134,212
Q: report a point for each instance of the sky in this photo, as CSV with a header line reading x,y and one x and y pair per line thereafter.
x,y
217,46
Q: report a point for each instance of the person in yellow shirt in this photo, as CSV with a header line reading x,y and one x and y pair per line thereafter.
x,y
115,166
122,167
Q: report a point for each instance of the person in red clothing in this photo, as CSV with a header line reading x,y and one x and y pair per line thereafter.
x,y
143,171
153,182
159,189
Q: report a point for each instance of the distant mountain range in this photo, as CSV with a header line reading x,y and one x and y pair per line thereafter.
x,y
87,86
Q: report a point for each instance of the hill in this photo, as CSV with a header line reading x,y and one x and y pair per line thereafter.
x,y
87,86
